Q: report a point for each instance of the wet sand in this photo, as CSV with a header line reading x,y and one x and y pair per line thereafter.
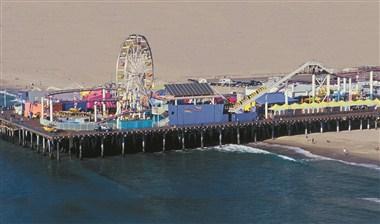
x,y
355,146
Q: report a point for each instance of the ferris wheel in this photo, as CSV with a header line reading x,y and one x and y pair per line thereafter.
x,y
134,72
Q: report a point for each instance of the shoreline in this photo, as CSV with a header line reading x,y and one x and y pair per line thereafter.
x,y
338,146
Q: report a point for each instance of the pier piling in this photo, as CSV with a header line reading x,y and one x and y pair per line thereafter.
x,y
143,143
102,147
43,145
49,148
202,139
376,123
220,137
57,153
80,149
19,136
123,146
23,137
306,131
183,140
37,143
368,124
163,142
71,144
272,134
337,125
31,140
321,125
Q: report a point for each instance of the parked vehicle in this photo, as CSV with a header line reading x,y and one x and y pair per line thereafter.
x,y
50,128
225,82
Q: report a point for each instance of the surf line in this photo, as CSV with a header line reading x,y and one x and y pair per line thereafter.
x,y
232,148
315,157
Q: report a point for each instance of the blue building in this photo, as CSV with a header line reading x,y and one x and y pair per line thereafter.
x,y
193,103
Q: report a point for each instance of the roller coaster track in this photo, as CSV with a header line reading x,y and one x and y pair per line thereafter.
x,y
307,68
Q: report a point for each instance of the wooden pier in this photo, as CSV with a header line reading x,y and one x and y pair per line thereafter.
x,y
30,134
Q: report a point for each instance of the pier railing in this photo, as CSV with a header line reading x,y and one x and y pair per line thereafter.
x,y
87,126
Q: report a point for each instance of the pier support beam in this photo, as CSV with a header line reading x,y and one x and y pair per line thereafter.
x,y
321,124
49,147
337,125
361,124
220,137
376,123
102,147
57,153
71,144
272,131
143,143
368,124
183,140
164,142
238,135
43,145
349,125
255,136
23,137
19,136
123,146
306,131
38,143
202,145
81,149
31,140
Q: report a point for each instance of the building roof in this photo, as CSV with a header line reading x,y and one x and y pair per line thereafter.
x,y
272,98
189,89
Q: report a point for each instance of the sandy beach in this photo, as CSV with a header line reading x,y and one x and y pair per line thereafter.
x,y
67,44
355,146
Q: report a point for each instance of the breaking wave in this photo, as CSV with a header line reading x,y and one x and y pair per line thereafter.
x,y
244,149
314,157
376,200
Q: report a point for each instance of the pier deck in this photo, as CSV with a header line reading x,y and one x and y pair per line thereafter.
x,y
100,143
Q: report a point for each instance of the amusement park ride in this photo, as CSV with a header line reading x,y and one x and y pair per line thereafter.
x,y
134,75
318,72
131,97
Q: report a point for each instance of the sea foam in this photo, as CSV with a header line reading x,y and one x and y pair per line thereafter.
x,y
314,157
244,149
376,200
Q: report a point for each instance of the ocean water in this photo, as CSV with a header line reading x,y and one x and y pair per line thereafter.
x,y
233,184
